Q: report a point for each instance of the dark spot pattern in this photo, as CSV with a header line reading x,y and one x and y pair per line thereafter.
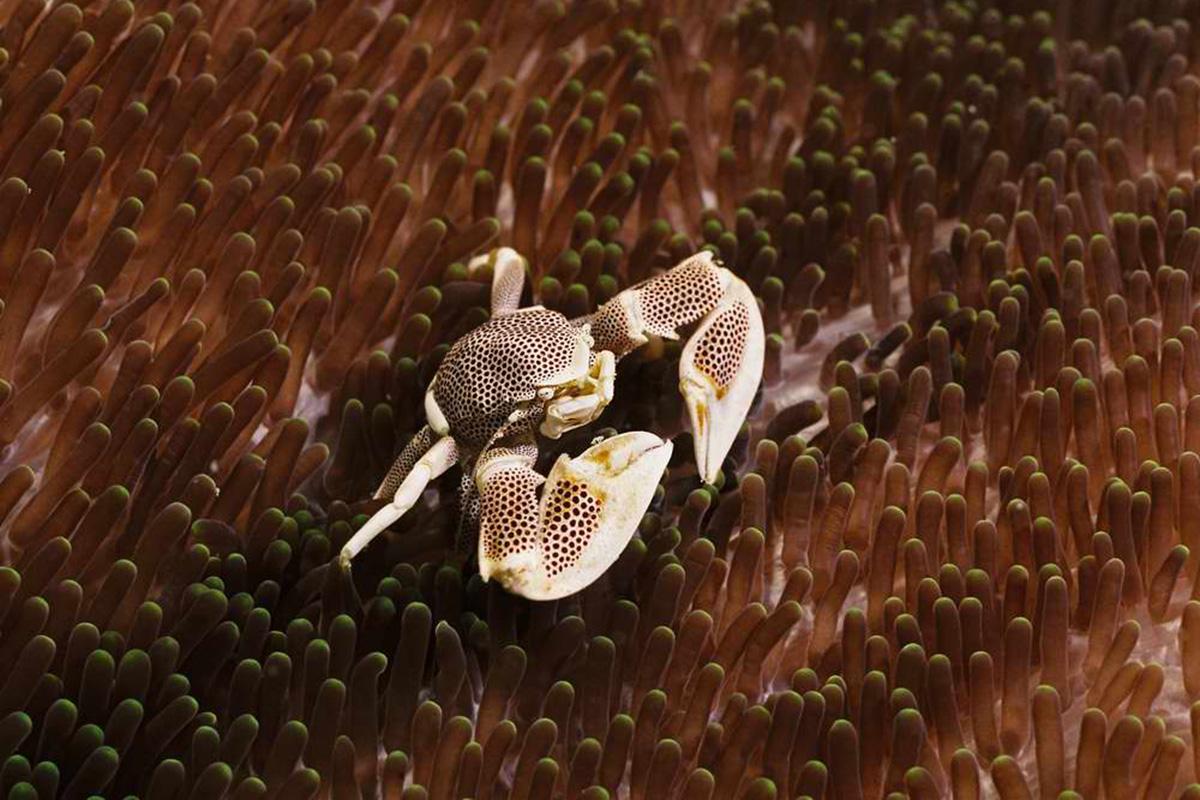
x,y
722,346
488,373
611,326
508,505
666,303
679,296
571,519
467,536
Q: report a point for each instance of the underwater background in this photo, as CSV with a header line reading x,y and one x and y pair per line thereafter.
x,y
948,556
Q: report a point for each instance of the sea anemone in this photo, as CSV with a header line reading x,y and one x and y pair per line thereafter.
x,y
949,555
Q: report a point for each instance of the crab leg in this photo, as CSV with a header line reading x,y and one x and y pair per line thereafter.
x,y
508,278
722,362
436,460
417,446
589,508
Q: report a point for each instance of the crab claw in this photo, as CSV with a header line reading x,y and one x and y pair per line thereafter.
x,y
719,372
589,509
722,362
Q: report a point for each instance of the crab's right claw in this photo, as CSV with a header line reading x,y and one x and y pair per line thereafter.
x,y
589,509
722,362
437,459
719,373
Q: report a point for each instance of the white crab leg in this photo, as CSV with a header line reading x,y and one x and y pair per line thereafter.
x,y
439,458
590,506
508,278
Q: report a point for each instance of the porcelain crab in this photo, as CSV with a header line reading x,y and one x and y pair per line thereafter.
x,y
530,371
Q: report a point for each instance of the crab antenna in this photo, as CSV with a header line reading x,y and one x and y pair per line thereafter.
x,y
436,461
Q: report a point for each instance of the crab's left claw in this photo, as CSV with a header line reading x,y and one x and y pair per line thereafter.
x,y
719,373
589,509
